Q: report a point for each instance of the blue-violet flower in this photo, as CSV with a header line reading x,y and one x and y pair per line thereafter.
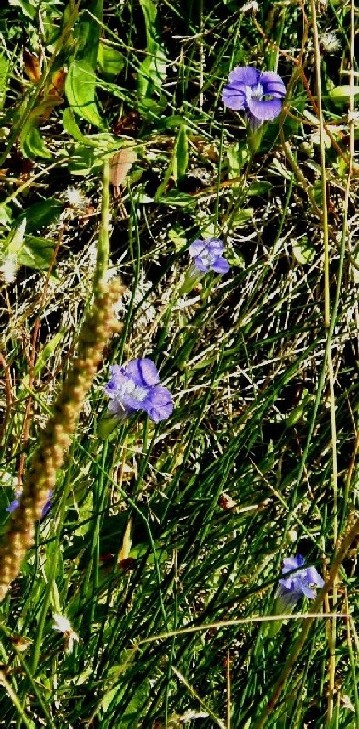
x,y
259,94
301,582
15,503
136,386
207,256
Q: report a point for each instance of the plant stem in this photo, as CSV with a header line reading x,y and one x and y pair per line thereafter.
x,y
103,247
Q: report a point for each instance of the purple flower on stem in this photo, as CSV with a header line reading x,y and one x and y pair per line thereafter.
x,y
207,256
258,94
136,386
301,582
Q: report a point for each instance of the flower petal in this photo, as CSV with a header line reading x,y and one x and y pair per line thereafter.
x,y
245,75
117,408
159,403
143,372
286,599
214,245
196,248
13,505
264,109
200,266
272,84
307,591
234,98
118,380
292,563
314,577
221,265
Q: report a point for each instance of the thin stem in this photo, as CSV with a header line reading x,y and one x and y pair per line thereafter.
x,y
103,247
322,166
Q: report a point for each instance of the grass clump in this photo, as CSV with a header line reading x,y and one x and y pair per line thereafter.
x,y
150,594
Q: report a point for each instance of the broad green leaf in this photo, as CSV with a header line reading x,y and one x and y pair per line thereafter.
x,y
180,159
342,94
241,217
4,69
102,142
31,141
178,199
178,238
80,91
36,252
87,32
152,71
28,8
82,160
71,127
41,214
259,188
149,11
237,156
110,61
236,260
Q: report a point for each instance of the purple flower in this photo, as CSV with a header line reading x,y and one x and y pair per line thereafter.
x,y
207,256
259,94
46,508
136,386
15,503
301,582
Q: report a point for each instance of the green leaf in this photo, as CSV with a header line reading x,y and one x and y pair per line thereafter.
x,y
80,91
87,32
110,61
4,69
41,214
259,188
303,250
28,8
14,241
178,199
5,215
152,71
36,252
82,160
241,217
102,142
31,142
27,250
180,159
342,94
237,156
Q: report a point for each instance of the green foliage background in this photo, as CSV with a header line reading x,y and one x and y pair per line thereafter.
x,y
158,529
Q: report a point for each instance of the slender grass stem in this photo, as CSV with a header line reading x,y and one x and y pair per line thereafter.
x,y
103,246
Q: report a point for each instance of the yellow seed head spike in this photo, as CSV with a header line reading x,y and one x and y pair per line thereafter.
x,y
54,441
